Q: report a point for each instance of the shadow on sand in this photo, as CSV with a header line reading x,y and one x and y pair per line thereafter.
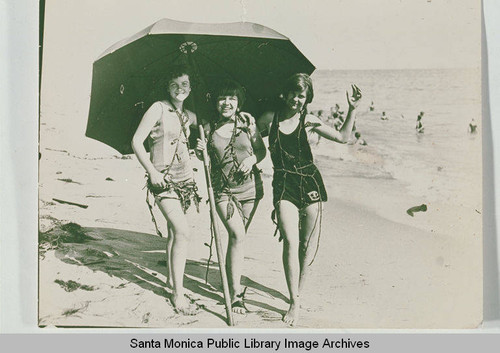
x,y
140,258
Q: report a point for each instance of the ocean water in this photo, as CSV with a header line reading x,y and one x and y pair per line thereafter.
x,y
443,163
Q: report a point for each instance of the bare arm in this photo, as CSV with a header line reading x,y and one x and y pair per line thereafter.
x,y
258,146
147,123
342,135
328,132
202,145
264,123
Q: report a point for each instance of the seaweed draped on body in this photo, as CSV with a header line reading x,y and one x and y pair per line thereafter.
x,y
224,165
295,172
185,190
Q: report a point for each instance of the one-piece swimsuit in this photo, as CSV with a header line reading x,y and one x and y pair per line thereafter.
x,y
296,178
169,153
226,154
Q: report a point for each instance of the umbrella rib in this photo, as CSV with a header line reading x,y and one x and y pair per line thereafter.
x,y
124,83
138,75
173,53
153,62
220,66
233,39
216,64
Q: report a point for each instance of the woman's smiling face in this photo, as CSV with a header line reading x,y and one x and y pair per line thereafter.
x,y
227,106
179,88
296,100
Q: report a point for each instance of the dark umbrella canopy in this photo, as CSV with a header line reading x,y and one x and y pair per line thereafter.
x,y
129,76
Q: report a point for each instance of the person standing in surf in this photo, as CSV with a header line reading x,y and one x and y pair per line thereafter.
x,y
165,126
298,189
235,147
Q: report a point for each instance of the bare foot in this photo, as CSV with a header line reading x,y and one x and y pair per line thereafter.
x,y
292,316
183,306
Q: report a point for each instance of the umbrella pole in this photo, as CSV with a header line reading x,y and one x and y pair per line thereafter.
x,y
218,244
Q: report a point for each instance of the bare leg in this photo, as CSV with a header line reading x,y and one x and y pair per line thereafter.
x,y
170,241
288,222
249,208
236,229
177,221
309,232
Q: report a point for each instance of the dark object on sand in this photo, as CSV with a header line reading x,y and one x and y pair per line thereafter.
x,y
71,286
66,233
130,75
71,203
68,180
421,208
110,179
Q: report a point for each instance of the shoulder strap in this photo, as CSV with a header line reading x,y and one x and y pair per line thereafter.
x,y
274,124
302,119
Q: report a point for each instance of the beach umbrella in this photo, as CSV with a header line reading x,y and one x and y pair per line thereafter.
x,y
126,77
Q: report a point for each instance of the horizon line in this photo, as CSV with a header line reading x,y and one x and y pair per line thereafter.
x,y
401,69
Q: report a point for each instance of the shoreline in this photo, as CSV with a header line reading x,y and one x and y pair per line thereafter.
x,y
376,267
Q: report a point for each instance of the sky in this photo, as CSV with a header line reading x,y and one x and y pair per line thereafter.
x,y
334,34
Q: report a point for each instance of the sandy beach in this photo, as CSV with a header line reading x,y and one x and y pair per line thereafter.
x,y
377,267
101,263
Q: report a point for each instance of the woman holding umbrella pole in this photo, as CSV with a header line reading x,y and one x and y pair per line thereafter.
x,y
298,189
170,175
235,147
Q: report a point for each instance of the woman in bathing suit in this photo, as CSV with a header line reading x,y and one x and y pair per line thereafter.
x,y
235,147
298,188
170,175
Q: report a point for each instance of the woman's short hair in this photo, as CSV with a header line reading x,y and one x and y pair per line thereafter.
x,y
176,71
229,88
298,83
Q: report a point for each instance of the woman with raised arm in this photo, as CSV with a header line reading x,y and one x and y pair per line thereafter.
x,y
170,174
235,147
298,189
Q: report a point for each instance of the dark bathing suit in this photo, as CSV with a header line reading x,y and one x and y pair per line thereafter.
x,y
296,178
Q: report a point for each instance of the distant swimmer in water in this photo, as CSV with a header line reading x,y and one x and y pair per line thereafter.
x,y
419,127
472,127
322,117
372,106
358,139
384,117
336,112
